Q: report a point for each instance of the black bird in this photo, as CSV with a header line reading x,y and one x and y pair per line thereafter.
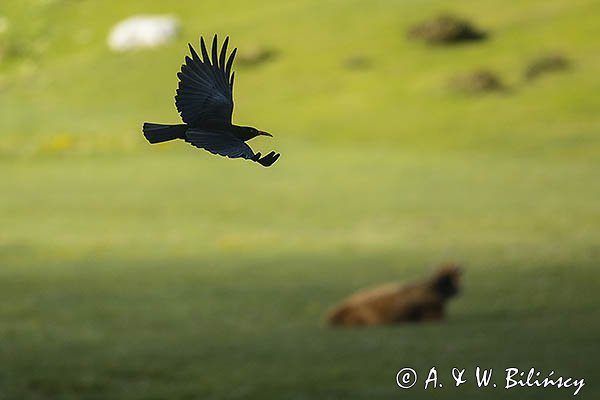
x,y
205,102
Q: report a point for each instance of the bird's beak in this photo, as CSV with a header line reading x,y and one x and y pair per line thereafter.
x,y
264,133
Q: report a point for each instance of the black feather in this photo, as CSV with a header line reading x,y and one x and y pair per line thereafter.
x,y
215,57
230,64
205,57
193,52
223,55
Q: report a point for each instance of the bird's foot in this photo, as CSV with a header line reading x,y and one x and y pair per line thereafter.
x,y
267,160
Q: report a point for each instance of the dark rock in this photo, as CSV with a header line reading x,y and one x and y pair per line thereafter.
x,y
446,29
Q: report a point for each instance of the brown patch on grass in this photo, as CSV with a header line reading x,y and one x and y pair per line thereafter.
x,y
477,82
548,63
357,62
255,56
446,29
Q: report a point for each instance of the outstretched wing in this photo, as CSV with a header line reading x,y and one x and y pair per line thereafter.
x,y
223,144
205,90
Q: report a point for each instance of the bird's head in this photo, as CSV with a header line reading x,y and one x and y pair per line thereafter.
x,y
253,132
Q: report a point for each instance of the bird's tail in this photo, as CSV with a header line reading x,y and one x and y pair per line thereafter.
x,y
157,133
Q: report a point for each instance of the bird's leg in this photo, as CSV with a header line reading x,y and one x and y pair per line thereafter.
x,y
269,159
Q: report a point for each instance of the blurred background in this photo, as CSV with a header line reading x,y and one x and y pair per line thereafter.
x,y
412,133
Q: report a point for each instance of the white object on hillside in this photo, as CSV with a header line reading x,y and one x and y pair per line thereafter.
x,y
143,31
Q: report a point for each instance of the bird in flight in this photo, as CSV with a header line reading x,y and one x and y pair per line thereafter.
x,y
205,102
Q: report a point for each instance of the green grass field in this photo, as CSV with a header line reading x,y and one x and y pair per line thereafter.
x,y
130,271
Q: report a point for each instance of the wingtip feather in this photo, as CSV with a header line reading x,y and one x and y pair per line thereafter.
x,y
215,57
204,51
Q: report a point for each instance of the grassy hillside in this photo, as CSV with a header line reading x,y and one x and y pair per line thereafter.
x,y
130,271
68,83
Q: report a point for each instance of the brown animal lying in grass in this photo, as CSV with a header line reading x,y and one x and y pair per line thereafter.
x,y
395,303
